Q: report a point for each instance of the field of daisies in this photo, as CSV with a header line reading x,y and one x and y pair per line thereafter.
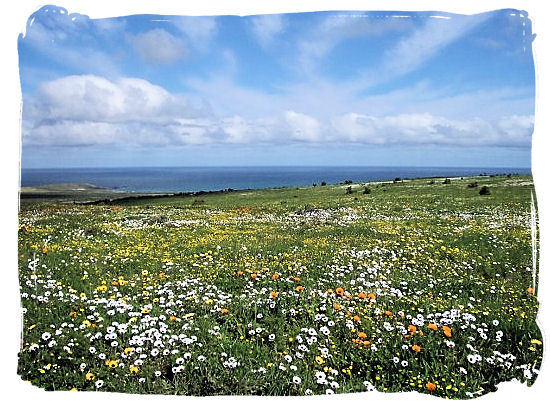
x,y
410,285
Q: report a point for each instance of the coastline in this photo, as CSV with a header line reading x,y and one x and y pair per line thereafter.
x,y
91,194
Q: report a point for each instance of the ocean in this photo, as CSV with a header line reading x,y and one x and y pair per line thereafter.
x,y
191,179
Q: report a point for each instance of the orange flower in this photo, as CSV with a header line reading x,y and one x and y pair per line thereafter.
x,y
421,333
45,250
299,288
240,273
275,276
254,275
366,342
416,348
340,291
173,318
115,283
264,268
361,295
371,296
446,331
224,311
432,326
337,307
273,294
530,290
412,328
389,313
357,318
296,279
362,335
431,386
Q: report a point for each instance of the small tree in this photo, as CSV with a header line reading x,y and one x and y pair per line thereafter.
x,y
366,191
349,190
323,183
447,181
484,191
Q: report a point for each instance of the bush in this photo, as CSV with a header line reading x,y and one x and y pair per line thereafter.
x,y
484,191
447,181
397,179
323,183
349,190
348,182
366,191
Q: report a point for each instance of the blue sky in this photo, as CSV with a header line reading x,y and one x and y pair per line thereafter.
x,y
330,88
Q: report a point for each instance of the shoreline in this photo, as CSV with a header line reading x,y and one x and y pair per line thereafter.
x,y
68,191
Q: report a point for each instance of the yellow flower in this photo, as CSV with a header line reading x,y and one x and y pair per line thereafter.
x,y
319,360
90,376
134,370
111,363
535,341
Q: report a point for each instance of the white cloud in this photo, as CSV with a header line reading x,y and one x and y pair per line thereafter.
x,y
411,129
266,27
91,110
50,37
158,46
424,43
303,127
198,30
333,29
93,98
408,54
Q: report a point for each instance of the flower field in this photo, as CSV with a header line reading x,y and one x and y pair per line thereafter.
x,y
418,285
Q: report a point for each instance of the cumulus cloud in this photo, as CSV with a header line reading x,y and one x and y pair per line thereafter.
x,y
303,127
90,110
416,129
93,98
158,46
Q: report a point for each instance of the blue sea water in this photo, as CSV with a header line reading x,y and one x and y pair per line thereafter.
x,y
190,179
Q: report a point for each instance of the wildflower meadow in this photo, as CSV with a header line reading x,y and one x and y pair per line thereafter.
x,y
410,285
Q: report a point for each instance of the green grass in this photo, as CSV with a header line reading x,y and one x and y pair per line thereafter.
x,y
191,276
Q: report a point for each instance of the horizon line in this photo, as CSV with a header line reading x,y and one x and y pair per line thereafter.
x,y
275,166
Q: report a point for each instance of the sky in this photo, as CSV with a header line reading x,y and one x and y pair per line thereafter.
x,y
325,88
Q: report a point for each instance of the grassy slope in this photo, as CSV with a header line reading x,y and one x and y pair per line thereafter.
x,y
442,245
